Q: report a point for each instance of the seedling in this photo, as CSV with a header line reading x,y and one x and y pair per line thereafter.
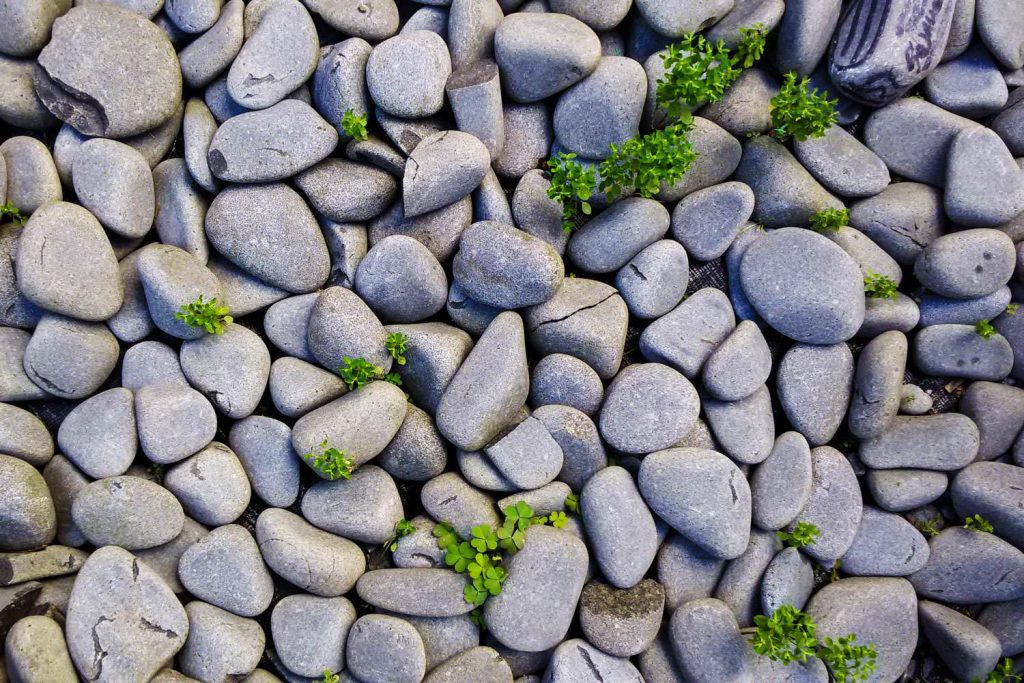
x,y
751,45
847,661
985,329
358,372
799,113
833,574
928,527
393,378
205,314
572,503
978,523
829,220
397,344
484,539
354,125
572,185
9,210
558,519
1004,673
802,535
1011,309
644,163
696,71
331,462
879,286
403,528
330,677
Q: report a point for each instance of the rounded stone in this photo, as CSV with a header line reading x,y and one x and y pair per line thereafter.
x,y
707,643
745,428
341,324
619,526
346,191
99,435
655,280
211,485
967,264
264,447
109,71
834,506
781,485
959,351
418,452
24,435
995,491
442,169
70,358
804,286
220,645
622,623
740,365
28,518
26,26
969,649
225,569
131,512
687,335
648,407
406,74
707,221
174,421
115,183
375,633
559,379
230,368
885,545
401,281
417,592
364,508
32,179
608,241
842,163
36,651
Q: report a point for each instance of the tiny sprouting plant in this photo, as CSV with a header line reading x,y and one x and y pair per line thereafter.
x,y
393,378
354,125
1004,673
512,534
403,528
331,462
642,164
751,45
9,210
929,527
802,535
572,503
879,286
572,185
985,329
789,636
558,519
978,523
696,71
330,677
205,314
396,345
829,220
833,573
1011,309
799,113
358,372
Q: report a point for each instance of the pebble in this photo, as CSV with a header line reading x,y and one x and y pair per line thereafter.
x,y
474,664
445,637
123,622
417,592
708,645
196,16
718,156
841,163
969,85
900,490
406,74
345,191
64,481
619,526
996,22
998,412
36,651
163,559
528,138
172,278
559,379
968,566
938,310
969,649
364,508
150,362
537,603
914,400
99,435
309,633
114,182
417,452
211,485
70,358
804,286
739,586
27,26
702,495
814,385
934,442
739,366
781,485
435,353
432,181
542,54
181,209
65,264
788,580
108,100
577,659
243,293
745,107
312,560
27,511
885,545
286,321
32,178
995,491
527,456
127,511
871,258
448,498
622,622
231,369
347,243
24,435
1009,125
675,21
419,549
835,505
984,185
959,351
280,53
685,337
290,251
373,20
439,230
225,569
745,428
1003,620
648,407
608,241
211,54
603,109
401,280
902,219
339,83
174,421
878,610
220,645
475,96
585,318
375,633
583,452
878,385
655,280
805,32
15,385
707,221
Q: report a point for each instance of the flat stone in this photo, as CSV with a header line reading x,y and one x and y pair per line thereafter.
x,y
998,411
622,623
174,421
432,181
309,633
339,83
64,481
220,645
967,264
935,442
577,659
171,279
364,508
903,219
127,511
435,353
745,428
374,20
27,511
225,569
603,109
280,54
937,310
885,545
687,335
15,385
995,491
24,436
150,362
419,549
211,485
445,637
969,85
959,351
708,645
196,16
707,221
542,54
814,384
417,592
231,369
835,505
70,358
264,448
788,580
648,407
406,74
843,164
781,485
674,21
968,566
527,456
35,650
608,241
984,185
375,633
448,498
83,78
718,156
345,191
619,526
901,490
115,183
123,622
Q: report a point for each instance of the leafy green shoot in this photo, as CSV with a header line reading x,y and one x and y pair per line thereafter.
x,y
1011,309
799,113
9,210
572,186
403,528
558,519
985,329
786,636
847,661
696,71
572,503
205,314
829,220
802,535
354,125
642,164
1003,673
397,344
331,462
928,527
330,677
358,372
879,286
393,378
978,523
751,45
833,573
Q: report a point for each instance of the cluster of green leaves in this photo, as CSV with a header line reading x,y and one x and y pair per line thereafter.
x,y
789,636
1011,309
572,185
801,113
1004,673
978,523
205,314
572,503
9,210
354,125
331,462
358,372
829,220
985,329
642,164
330,677
929,527
403,528
802,535
879,286
397,344
751,47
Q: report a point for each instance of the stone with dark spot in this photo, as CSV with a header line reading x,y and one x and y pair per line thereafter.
x,y
70,358
127,511
967,566
406,74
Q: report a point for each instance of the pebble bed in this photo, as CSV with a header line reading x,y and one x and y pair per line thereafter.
x,y
644,410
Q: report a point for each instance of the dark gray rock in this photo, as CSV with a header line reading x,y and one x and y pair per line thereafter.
x,y
814,384
70,358
959,351
984,185
313,560
995,491
225,569
406,74
608,241
619,526
541,54
781,485
375,633
1009,124
528,138
902,490
708,645
687,335
622,623
401,280
878,385
745,428
648,407
27,511
968,566
64,481
1003,620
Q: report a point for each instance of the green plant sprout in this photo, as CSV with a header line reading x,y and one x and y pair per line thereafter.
x,y
799,113
978,523
928,527
642,164
879,286
205,314
985,329
789,636
354,125
833,574
558,519
1011,309
393,378
572,503
802,535
9,210
397,344
330,677
331,462
829,220
751,45
572,185
403,528
1004,673
696,71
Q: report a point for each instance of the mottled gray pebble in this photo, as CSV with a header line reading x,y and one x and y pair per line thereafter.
x,y
364,508
225,569
174,421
